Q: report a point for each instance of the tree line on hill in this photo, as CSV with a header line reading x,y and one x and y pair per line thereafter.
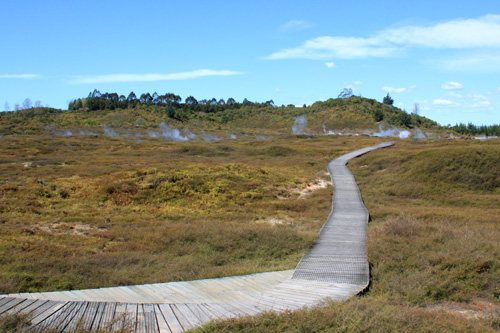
x,y
111,101
226,110
471,129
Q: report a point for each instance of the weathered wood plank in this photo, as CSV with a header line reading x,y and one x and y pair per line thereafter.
x,y
10,303
185,316
160,320
104,317
89,315
45,311
150,318
73,320
170,317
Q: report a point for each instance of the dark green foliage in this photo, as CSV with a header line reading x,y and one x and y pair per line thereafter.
x,y
345,93
378,115
279,151
404,119
471,129
388,100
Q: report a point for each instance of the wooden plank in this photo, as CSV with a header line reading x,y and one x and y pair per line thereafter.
x,y
150,318
33,306
72,321
211,312
119,317
187,294
56,318
106,317
234,310
141,320
173,322
21,306
90,315
46,310
199,313
6,300
220,311
162,323
10,304
245,306
132,315
187,319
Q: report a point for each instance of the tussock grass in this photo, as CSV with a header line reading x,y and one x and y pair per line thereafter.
x,y
89,212
432,245
355,315
14,323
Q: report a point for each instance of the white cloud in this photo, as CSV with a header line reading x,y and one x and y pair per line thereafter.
x,y
482,32
398,90
482,61
478,97
337,47
330,64
296,25
278,90
357,83
455,95
443,102
111,78
481,104
21,76
450,85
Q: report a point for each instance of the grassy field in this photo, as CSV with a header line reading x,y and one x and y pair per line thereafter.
x,y
433,245
86,211
95,211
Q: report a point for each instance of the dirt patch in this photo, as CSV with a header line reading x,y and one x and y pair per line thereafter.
x,y
76,229
275,221
469,311
312,187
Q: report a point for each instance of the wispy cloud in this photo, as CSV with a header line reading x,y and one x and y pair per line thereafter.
x,y
446,102
481,104
398,90
337,47
116,78
478,33
455,95
295,25
450,85
478,97
483,61
21,76
330,64
482,32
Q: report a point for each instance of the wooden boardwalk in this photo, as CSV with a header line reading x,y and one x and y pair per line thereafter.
x,y
335,267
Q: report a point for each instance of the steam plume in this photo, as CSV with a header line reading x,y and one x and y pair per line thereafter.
x,y
299,125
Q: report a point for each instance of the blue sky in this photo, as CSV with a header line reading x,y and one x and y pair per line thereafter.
x,y
443,55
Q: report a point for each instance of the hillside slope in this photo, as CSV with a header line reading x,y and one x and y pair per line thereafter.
x,y
346,115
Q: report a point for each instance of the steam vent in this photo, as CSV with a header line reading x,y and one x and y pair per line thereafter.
x,y
335,267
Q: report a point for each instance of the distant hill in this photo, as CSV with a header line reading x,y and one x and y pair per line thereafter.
x,y
340,115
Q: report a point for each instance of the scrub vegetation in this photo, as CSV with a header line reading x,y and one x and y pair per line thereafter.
x,y
135,115
88,211
432,245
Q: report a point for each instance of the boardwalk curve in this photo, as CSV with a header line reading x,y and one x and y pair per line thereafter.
x,y
335,267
